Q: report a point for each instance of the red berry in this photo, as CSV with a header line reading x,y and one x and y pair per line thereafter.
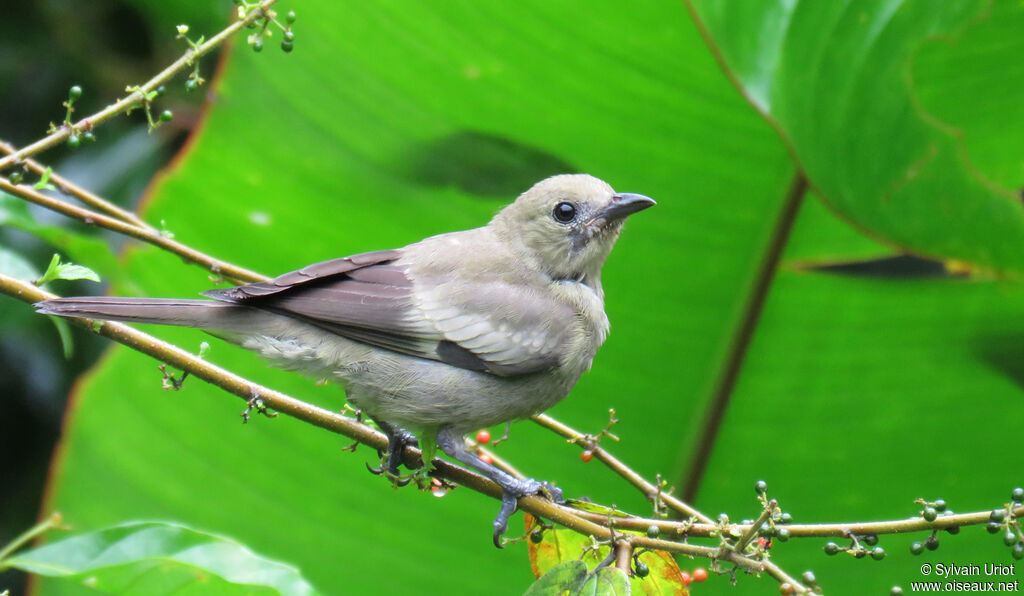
x,y
483,437
587,456
700,574
686,578
486,458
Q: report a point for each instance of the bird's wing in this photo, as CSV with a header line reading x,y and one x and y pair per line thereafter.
x,y
485,325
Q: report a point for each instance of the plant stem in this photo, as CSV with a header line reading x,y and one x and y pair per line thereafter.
x,y
51,522
139,94
146,234
620,468
90,199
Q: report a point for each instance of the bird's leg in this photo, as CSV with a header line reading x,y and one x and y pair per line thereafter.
x,y
398,439
512,488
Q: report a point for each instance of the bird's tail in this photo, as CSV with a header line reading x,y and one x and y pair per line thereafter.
x,y
205,314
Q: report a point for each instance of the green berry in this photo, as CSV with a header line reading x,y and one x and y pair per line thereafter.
x,y
88,137
1017,495
761,487
653,531
1018,551
287,46
641,569
782,534
916,548
997,515
191,85
290,17
931,543
896,591
289,36
74,93
831,548
166,116
257,46
870,539
765,531
1009,538
929,514
161,90
940,504
536,536
878,553
809,578
16,177
786,518
993,527
74,141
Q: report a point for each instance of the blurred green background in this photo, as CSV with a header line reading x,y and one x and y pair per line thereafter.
x,y
853,373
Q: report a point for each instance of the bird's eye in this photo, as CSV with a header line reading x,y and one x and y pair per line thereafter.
x,y
564,212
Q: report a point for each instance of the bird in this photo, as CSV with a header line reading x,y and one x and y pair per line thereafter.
x,y
456,332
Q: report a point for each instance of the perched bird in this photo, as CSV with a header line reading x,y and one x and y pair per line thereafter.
x,y
454,333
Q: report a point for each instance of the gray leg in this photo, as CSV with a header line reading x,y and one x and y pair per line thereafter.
x,y
398,438
512,488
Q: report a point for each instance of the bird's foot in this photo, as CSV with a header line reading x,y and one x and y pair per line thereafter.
x,y
510,501
398,440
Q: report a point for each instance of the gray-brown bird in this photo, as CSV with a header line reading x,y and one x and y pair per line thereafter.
x,y
454,333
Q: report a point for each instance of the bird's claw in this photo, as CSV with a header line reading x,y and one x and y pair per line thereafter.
x,y
510,502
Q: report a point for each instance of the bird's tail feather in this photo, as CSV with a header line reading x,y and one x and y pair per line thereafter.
x,y
205,314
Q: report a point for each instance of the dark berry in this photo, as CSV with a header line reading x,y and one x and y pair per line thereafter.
x,y
953,529
257,46
765,530
870,539
878,553
761,487
931,543
993,527
940,504
831,548
896,591
782,534
1018,551
916,548
536,536
289,36
16,177
653,531
191,85
997,515
809,578
88,137
287,46
786,518
74,141
860,554
1009,538
161,90
1017,495
929,514
641,569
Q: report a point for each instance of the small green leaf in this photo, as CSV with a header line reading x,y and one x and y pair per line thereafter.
x,y
67,343
161,558
68,271
566,577
44,181
428,449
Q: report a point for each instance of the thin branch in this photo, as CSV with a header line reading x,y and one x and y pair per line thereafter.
x,y
146,234
83,195
649,490
623,555
138,96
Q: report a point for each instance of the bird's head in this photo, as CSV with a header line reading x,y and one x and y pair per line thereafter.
x,y
569,223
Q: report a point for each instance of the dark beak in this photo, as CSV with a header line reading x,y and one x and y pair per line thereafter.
x,y
626,203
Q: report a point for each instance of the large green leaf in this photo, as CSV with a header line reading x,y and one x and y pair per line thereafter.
x,y
397,120
837,80
152,558
387,124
